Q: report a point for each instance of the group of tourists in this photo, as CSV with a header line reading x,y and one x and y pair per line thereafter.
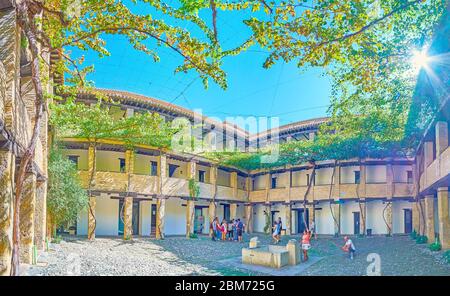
x,y
306,239
227,230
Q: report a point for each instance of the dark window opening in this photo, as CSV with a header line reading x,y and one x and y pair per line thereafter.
x,y
274,182
357,177
153,168
201,176
74,160
122,165
409,177
172,169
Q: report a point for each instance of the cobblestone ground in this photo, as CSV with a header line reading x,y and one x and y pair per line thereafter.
x,y
180,256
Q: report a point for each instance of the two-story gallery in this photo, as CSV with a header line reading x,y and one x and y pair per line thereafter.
x,y
149,187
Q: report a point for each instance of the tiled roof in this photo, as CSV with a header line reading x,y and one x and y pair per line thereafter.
x,y
171,108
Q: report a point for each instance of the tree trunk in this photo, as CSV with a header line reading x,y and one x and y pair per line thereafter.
x,y
90,185
331,192
27,25
308,189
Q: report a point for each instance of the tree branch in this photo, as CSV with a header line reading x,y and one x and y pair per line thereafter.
x,y
369,25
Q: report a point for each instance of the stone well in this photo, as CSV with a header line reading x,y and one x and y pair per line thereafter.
x,y
272,256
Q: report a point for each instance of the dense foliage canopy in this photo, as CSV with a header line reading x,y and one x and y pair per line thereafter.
x,y
96,122
66,198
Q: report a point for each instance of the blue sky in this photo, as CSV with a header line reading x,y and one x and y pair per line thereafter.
x,y
284,91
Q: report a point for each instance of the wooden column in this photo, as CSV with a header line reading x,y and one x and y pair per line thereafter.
x,y
233,211
27,204
249,218
128,201
128,218
212,205
212,214
234,184
190,212
441,137
268,180
311,213
160,217
416,216
429,217
388,216
190,204
363,216
362,181
444,222
92,201
40,215
91,217
389,180
161,201
7,165
336,208
288,222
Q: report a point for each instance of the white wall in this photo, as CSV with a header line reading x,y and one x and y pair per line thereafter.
x,y
324,219
180,172
260,182
400,173
374,219
259,220
323,176
207,171
145,217
282,180
175,218
107,216
223,178
82,222
348,175
398,216
142,163
108,161
347,210
281,213
375,174
299,178
82,157
241,182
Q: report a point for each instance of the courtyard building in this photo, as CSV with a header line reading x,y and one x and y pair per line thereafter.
x,y
354,196
145,191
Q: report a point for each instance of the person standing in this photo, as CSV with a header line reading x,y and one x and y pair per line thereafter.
x,y
276,232
235,232
306,244
230,230
218,229
240,227
213,228
224,229
280,228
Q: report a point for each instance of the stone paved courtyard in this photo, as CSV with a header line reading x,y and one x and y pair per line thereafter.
x,y
180,256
